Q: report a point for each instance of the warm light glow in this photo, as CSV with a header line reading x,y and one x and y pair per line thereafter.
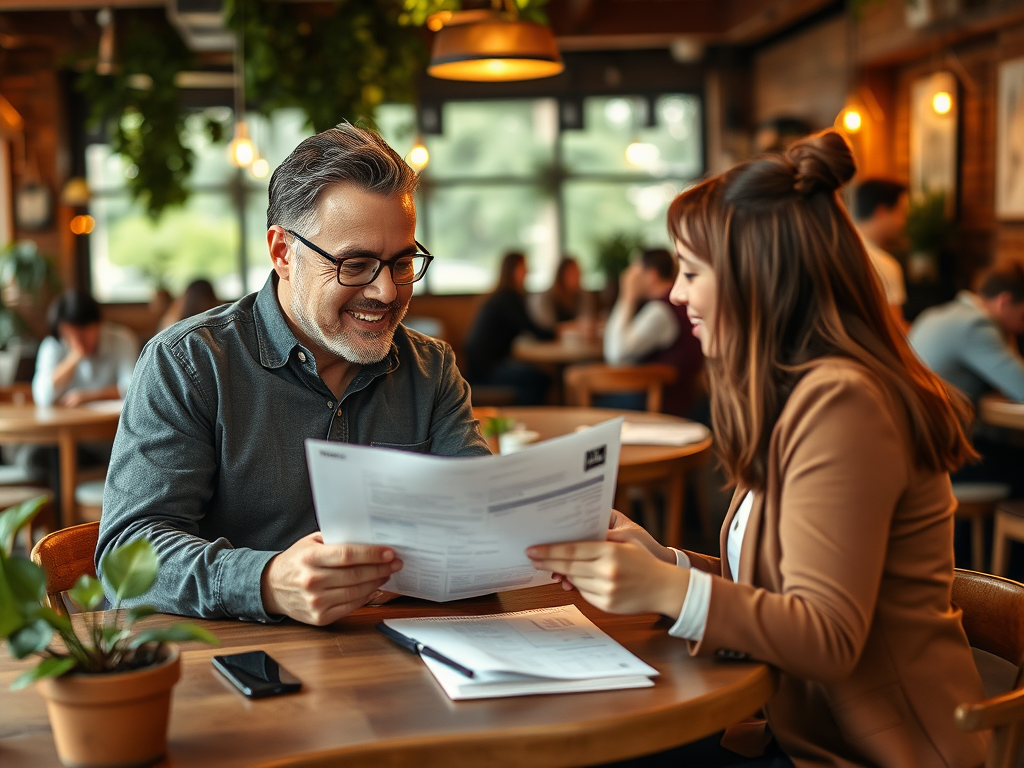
x,y
418,157
485,46
260,168
83,225
642,155
241,150
437,20
942,102
852,121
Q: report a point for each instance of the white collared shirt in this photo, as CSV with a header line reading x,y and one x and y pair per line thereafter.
x,y
693,618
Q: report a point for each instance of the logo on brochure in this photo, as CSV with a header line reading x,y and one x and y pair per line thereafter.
x,y
595,458
332,454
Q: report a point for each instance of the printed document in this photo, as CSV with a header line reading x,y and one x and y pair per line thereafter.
x,y
461,526
547,650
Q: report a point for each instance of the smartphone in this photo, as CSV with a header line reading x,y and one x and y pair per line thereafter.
x,y
257,674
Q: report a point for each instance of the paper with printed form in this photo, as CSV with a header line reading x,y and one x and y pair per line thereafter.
x,y
547,650
461,526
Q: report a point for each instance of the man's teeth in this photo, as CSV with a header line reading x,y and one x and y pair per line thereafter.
x,y
366,316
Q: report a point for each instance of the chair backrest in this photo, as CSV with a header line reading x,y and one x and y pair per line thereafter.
x,y
65,555
582,382
993,619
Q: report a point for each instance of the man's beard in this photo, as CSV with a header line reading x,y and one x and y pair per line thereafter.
x,y
361,347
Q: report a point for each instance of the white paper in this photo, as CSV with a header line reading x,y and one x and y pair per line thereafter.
x,y
461,526
547,650
662,433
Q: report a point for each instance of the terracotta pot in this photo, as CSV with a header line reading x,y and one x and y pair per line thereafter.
x,y
113,720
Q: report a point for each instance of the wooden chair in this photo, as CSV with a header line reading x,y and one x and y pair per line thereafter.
x,y
977,502
582,382
993,618
1009,527
65,555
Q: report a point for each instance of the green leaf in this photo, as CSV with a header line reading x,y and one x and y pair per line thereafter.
x,y
60,623
87,593
13,518
177,633
52,667
113,635
11,616
138,612
32,638
27,581
130,569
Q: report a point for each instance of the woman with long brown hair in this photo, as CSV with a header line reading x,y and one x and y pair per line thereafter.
x,y
837,561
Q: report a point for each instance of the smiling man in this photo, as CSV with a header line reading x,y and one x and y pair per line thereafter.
x,y
209,461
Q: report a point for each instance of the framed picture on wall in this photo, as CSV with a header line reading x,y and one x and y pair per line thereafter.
x,y
1010,140
934,122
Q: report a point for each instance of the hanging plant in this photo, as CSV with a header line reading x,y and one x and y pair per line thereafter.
x,y
415,12
138,104
335,62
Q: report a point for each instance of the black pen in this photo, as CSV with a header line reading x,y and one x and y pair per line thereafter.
x,y
423,650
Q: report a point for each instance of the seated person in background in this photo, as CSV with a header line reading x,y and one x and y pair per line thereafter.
x,y
565,300
198,297
500,320
645,327
209,462
971,343
880,213
83,358
837,558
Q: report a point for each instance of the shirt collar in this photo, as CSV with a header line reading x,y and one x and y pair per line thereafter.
x,y
276,340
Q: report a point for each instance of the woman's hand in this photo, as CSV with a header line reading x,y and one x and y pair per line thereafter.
x,y
616,576
621,528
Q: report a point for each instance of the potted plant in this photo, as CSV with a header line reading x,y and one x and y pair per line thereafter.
x,y
107,686
493,427
613,255
25,276
929,229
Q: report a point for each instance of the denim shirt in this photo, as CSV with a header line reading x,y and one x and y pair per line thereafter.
x,y
209,461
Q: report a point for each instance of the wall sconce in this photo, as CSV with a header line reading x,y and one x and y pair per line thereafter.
x,y
491,46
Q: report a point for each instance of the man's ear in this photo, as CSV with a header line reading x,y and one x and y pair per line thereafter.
x,y
281,251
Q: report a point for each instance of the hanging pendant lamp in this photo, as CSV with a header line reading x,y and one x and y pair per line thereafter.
x,y
492,46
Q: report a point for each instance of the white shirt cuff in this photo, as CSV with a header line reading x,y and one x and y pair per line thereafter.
x,y
694,617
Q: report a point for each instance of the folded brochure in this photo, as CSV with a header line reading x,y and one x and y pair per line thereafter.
x,y
545,650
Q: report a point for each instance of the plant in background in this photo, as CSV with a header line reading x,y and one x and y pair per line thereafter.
x,y
108,642
415,12
494,426
615,251
929,226
24,272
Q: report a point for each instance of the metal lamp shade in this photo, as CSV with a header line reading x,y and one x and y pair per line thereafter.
x,y
493,50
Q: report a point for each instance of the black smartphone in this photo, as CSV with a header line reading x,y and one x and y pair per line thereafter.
x,y
257,674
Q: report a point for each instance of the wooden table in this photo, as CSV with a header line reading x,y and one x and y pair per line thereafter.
x,y
1000,412
555,356
638,464
65,428
366,702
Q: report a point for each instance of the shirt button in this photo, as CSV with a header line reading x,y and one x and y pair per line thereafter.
x,y
302,357
330,404
339,411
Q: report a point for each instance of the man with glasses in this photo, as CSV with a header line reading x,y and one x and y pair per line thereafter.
x,y
209,461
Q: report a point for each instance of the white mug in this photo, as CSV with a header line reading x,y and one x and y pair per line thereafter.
x,y
516,440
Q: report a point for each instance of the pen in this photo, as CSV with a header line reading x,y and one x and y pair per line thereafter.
x,y
423,650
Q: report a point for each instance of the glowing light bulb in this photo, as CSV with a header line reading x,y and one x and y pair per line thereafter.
x,y
82,225
418,156
942,102
852,121
260,168
241,150
642,155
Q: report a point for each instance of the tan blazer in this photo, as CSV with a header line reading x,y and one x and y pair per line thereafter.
x,y
845,575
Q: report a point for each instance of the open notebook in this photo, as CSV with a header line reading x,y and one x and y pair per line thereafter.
x,y
546,650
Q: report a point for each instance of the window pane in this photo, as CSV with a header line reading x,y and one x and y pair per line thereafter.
x,y
469,229
596,211
494,139
397,124
131,254
670,148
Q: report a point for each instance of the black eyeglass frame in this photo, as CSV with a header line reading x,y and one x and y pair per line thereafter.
x,y
337,261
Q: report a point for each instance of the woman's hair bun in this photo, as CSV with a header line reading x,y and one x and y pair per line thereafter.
x,y
822,162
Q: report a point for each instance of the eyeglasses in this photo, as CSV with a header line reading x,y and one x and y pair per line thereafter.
x,y
354,271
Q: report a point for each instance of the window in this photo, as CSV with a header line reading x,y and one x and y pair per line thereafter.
x,y
502,176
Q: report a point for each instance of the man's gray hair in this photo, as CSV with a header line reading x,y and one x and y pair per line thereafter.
x,y
341,154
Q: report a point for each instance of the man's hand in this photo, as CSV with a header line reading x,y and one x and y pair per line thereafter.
x,y
631,283
319,583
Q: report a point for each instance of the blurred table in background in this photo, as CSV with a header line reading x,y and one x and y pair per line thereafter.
x,y
1000,412
64,428
638,464
553,357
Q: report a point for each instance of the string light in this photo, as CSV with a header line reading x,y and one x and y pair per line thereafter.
x,y
419,156
852,120
83,224
260,168
942,103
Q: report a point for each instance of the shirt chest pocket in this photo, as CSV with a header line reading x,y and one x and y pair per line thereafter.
x,y
423,447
